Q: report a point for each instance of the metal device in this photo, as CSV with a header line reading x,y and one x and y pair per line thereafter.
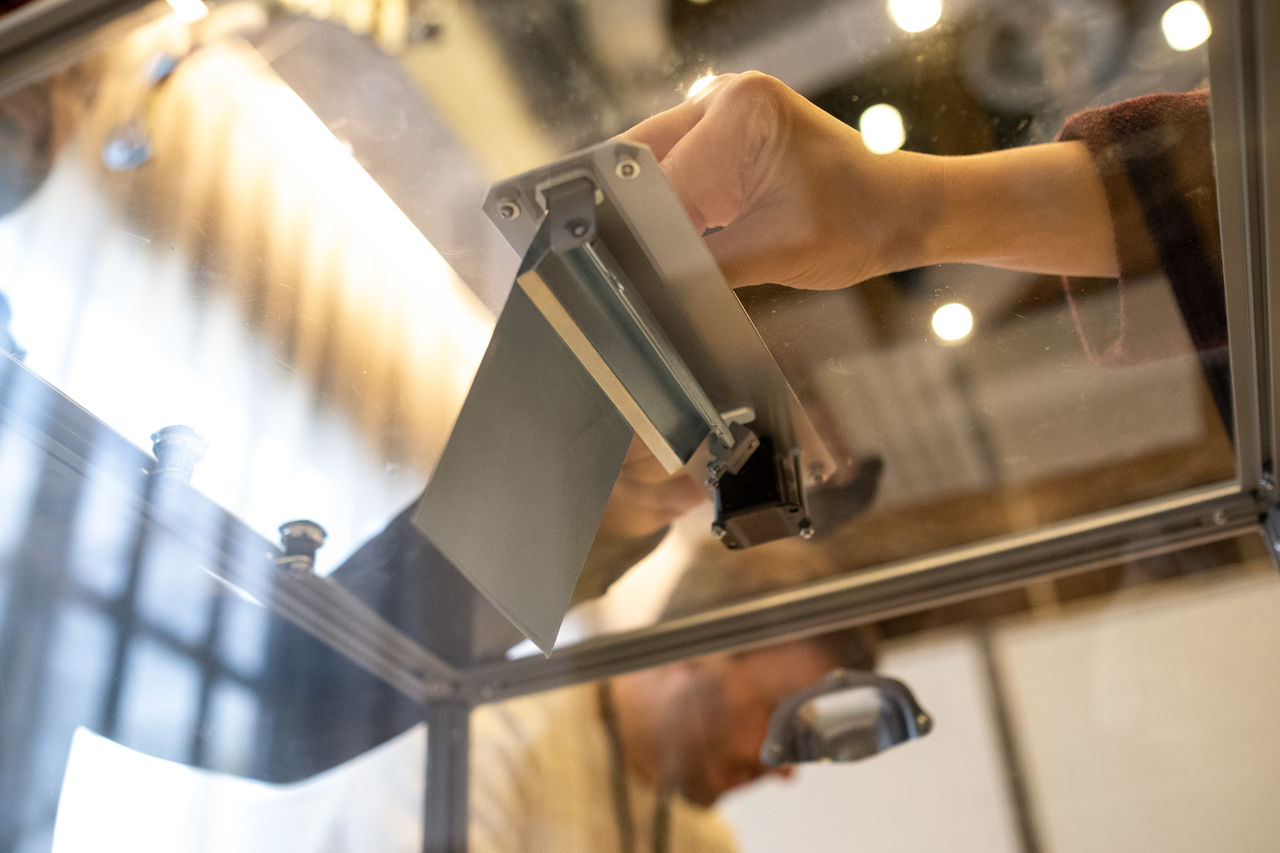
x,y
620,321
848,716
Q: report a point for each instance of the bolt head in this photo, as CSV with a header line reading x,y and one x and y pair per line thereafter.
x,y
805,530
627,169
577,227
508,209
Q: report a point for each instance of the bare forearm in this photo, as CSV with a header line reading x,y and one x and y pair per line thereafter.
x,y
1040,208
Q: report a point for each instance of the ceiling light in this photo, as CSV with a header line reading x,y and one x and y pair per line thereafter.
x,y
952,321
882,130
915,16
189,11
1185,25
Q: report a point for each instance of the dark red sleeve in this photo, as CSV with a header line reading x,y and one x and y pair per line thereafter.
x,y
1155,156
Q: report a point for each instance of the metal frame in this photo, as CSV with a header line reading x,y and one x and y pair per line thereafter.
x,y
38,38
1246,112
323,608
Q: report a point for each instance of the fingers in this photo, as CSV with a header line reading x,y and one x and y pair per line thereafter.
x,y
645,497
662,131
718,164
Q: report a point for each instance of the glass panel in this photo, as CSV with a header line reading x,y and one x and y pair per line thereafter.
x,y
1118,711
265,222
1101,711
235,715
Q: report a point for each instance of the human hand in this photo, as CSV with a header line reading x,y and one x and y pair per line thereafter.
x,y
645,498
801,200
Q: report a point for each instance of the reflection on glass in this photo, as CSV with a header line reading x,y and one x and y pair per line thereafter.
x,y
1085,715
171,595
22,471
699,85
915,16
305,328
848,716
71,691
242,640
882,129
189,11
952,321
1185,25
231,732
160,700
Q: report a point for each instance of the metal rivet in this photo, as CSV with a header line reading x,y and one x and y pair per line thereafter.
x,y
627,169
805,530
577,227
1219,518
508,209
299,540
177,449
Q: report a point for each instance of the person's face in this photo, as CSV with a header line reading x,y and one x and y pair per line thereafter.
x,y
719,718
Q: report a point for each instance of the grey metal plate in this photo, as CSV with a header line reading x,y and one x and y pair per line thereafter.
x,y
648,233
516,499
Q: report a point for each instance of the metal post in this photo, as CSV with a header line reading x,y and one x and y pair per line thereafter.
x,y
448,776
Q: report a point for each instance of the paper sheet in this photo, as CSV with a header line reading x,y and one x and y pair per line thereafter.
x,y
116,799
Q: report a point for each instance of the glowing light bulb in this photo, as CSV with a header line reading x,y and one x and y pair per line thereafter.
x,y
881,128
915,16
1185,25
952,321
700,84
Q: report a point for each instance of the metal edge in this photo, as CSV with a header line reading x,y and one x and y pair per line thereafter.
x,y
38,38
779,412
1267,36
1157,527
320,606
1235,127
544,299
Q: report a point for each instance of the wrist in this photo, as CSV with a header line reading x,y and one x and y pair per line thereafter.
x,y
1040,209
917,221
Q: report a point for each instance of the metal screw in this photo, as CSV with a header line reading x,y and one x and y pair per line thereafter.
x,y
177,449
1219,518
627,169
805,529
717,530
300,540
508,209
577,227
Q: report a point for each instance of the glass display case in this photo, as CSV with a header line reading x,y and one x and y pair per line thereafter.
x,y
252,257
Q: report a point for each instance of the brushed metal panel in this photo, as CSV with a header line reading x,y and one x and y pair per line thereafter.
x,y
519,491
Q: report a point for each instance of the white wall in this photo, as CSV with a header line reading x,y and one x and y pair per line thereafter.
x,y
1151,724
1146,721
943,792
